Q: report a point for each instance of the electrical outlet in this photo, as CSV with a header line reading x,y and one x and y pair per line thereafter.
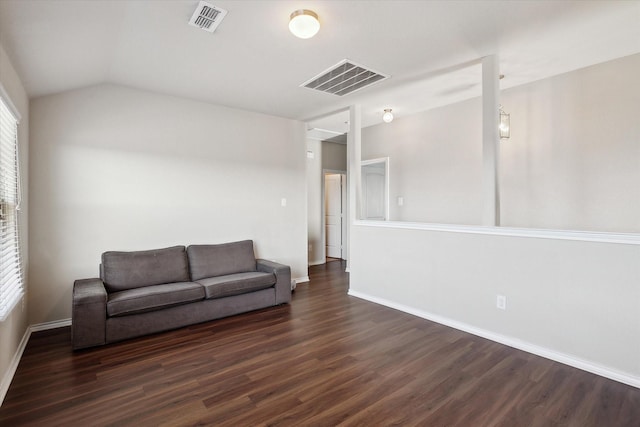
x,y
501,302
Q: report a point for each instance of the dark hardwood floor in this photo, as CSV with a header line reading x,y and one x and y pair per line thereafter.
x,y
326,359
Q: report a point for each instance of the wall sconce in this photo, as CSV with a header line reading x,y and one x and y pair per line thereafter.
x,y
304,23
387,117
505,125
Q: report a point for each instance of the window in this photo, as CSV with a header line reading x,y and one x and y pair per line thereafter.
x,y
11,281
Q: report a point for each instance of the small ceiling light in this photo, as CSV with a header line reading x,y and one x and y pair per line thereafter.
x,y
304,23
505,128
387,117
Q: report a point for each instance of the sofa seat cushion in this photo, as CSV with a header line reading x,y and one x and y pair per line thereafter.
x,y
236,284
149,298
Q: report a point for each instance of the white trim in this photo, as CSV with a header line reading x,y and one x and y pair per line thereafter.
x,y
50,325
323,232
564,358
326,130
301,279
584,236
13,366
317,263
7,100
324,116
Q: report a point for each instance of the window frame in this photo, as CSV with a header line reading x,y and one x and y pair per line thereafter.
x,y
11,267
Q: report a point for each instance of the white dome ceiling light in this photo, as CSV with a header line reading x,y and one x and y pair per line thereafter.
x,y
304,23
387,116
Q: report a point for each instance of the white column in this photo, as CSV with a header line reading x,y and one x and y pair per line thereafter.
x,y
490,140
354,157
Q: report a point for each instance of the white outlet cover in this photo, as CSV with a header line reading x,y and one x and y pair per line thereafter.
x,y
283,202
501,302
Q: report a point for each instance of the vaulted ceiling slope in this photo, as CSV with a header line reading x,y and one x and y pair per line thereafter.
x,y
252,61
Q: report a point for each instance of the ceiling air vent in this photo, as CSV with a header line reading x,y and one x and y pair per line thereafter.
x,y
343,78
207,16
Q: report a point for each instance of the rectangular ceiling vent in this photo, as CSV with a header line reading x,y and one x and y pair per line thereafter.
x,y
207,16
343,78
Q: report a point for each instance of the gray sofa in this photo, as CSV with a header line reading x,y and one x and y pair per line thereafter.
x,y
151,291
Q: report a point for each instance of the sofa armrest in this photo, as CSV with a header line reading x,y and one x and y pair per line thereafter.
x,y
88,313
283,278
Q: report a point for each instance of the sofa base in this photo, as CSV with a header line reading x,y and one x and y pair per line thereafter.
x,y
135,325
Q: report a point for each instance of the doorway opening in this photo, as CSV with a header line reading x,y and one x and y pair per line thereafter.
x,y
334,215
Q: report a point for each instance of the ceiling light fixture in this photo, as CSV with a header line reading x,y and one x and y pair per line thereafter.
x,y
304,23
505,125
387,117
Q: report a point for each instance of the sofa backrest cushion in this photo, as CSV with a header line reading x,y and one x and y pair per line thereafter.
x,y
127,270
219,260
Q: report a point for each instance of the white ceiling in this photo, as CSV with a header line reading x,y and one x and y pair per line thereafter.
x,y
430,48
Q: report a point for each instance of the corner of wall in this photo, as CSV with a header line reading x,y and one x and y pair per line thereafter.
x,y
14,330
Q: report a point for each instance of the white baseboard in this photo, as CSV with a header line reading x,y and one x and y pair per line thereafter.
x,y
312,263
50,325
13,366
564,358
302,279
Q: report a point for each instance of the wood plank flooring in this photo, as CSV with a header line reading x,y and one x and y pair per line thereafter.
x,y
326,359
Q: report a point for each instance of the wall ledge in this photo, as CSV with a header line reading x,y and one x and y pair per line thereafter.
x,y
563,358
584,236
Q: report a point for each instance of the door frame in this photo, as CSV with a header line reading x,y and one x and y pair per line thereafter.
x,y
345,216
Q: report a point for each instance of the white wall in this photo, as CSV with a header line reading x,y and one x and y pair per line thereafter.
x,y
314,203
14,327
334,156
327,156
114,168
573,298
435,163
572,162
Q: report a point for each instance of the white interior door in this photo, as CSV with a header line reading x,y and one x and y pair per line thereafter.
x,y
333,215
373,192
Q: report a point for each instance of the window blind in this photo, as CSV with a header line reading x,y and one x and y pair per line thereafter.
x,y
11,279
